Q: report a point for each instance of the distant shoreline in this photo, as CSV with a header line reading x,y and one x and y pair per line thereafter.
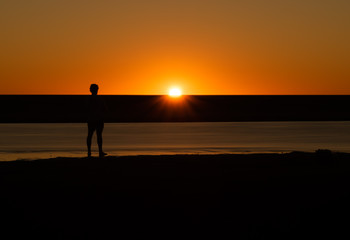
x,y
189,108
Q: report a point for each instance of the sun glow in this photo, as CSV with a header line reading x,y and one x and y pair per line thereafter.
x,y
175,92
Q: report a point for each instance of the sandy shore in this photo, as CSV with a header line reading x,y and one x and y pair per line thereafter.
x,y
254,196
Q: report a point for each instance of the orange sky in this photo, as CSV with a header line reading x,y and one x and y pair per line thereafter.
x,y
201,46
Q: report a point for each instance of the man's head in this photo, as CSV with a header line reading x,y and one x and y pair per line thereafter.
x,y
94,89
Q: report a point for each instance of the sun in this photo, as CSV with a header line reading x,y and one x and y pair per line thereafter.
x,y
175,92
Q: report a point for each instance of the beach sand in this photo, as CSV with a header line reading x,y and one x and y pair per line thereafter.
x,y
242,196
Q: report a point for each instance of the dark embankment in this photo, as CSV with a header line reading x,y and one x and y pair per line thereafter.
x,y
70,108
264,196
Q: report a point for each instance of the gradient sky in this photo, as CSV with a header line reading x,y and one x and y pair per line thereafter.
x,y
202,46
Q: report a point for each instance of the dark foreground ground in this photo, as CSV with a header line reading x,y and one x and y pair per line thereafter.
x,y
255,196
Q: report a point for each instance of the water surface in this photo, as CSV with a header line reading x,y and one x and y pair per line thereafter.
x,y
33,141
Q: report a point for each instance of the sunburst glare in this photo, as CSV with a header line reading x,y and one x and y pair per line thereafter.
x,y
175,92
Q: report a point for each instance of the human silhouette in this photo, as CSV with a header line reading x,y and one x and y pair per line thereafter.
x,y
95,119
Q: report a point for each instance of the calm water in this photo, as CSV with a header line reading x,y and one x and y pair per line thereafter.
x,y
31,141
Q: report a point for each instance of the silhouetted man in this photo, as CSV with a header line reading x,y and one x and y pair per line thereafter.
x,y
96,112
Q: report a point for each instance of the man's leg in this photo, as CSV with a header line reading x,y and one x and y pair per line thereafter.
x,y
99,131
88,139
